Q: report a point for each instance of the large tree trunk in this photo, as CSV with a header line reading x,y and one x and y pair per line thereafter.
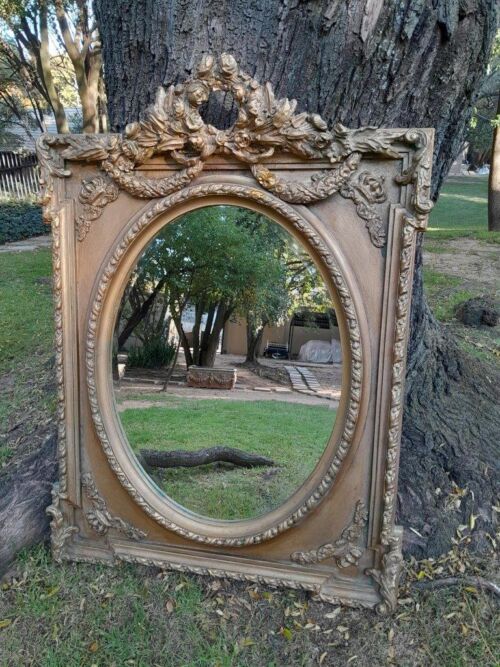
x,y
139,314
494,180
254,339
406,64
211,337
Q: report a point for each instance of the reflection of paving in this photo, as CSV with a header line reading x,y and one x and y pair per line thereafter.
x,y
324,381
303,379
296,378
225,395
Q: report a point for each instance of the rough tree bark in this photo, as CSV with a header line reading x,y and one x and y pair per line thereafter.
x,y
25,492
407,64
494,180
254,339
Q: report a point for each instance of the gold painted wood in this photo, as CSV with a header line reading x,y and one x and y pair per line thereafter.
x,y
355,199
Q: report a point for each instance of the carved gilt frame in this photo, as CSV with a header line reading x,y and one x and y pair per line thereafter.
x,y
355,199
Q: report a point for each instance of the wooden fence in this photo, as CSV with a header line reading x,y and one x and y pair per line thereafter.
x,y
18,174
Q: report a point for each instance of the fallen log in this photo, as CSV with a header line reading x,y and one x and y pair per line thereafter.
x,y
179,458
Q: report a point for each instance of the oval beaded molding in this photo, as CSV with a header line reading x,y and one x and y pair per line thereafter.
x,y
146,495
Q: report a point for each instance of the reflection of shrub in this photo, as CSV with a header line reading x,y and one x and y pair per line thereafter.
x,y
19,220
153,353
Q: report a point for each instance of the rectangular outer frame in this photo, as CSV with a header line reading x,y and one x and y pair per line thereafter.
x,y
357,198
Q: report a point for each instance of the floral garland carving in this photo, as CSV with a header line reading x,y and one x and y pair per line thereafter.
x,y
95,193
320,186
60,533
352,412
173,126
99,517
274,582
344,550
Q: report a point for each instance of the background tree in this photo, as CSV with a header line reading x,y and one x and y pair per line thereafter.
x,y
491,93
219,261
30,31
407,64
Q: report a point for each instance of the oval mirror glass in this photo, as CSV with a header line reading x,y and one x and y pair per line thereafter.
x,y
227,362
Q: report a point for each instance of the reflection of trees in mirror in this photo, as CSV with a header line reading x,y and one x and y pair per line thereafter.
x,y
224,272
290,434
218,262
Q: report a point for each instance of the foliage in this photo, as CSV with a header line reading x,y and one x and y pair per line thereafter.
x,y
291,434
35,78
222,261
485,117
153,353
20,220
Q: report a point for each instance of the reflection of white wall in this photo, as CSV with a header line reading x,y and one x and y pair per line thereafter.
x,y
188,318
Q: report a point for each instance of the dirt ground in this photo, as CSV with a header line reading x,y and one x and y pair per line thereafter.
x,y
249,386
466,258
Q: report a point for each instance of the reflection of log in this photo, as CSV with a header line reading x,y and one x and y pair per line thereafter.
x,y
179,458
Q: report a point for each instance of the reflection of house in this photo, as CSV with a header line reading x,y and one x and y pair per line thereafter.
x,y
299,329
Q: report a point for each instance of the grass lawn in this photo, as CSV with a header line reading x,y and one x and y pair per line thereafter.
x,y
79,615
292,435
463,261
26,346
461,210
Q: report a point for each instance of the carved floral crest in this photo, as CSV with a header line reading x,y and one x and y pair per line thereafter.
x,y
174,127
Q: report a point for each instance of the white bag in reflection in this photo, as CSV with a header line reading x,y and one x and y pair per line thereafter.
x,y
321,352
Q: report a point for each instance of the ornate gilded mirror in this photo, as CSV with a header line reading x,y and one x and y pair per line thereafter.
x,y
227,362
231,321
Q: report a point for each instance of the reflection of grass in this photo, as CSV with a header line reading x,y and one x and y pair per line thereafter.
x,y
462,210
293,435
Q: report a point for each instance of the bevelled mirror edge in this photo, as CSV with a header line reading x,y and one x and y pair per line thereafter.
x,y
112,277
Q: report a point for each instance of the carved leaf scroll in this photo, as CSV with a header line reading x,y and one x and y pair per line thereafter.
x,y
95,193
174,127
60,531
387,577
99,517
345,550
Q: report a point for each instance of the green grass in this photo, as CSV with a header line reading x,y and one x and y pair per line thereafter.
x,y
25,295
462,210
26,340
292,435
80,615
444,293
